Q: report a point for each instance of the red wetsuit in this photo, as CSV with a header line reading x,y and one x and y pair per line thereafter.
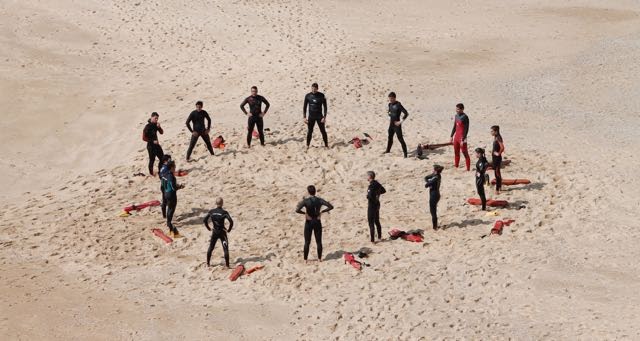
x,y
459,135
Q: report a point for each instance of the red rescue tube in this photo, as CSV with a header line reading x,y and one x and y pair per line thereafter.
x,y
141,206
237,272
490,202
511,182
161,235
348,257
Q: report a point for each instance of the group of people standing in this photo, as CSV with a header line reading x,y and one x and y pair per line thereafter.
x,y
314,113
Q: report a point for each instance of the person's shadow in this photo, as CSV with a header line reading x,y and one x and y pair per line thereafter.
x,y
466,223
338,254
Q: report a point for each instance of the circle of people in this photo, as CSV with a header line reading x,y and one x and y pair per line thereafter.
x,y
314,113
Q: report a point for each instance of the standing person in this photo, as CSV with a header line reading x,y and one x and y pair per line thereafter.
x,y
481,168
316,102
433,181
150,134
171,187
459,136
374,192
164,170
218,216
197,118
313,223
395,123
496,156
255,108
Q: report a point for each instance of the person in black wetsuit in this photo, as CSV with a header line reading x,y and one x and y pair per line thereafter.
x,y
218,216
481,168
433,181
164,170
255,114
496,156
197,118
150,133
170,188
316,102
374,192
395,123
312,212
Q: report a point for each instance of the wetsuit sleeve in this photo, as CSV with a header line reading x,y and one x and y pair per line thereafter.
x,y
382,190
188,123
453,130
266,105
160,130
324,105
208,118
465,121
205,221
328,204
430,179
148,134
501,143
242,106
230,222
299,207
304,107
174,182
404,111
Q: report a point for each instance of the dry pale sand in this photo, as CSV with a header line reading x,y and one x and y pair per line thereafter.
x,y
79,80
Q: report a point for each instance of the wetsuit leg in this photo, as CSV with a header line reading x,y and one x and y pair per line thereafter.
x,y
465,152
250,126
207,141
310,126
225,247
172,202
164,203
152,157
401,139
390,138
433,209
308,229
497,163
192,144
317,232
160,155
212,245
260,124
480,188
371,216
376,220
323,131
456,152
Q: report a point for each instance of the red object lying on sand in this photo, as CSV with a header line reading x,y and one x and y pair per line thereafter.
x,y
254,269
182,172
410,237
218,142
161,235
237,272
492,203
499,225
142,206
511,182
351,259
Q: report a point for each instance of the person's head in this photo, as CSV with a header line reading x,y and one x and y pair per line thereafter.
x,y
219,202
392,97
371,175
479,152
172,165
314,87
254,90
459,108
495,130
154,117
166,158
311,189
437,169
199,105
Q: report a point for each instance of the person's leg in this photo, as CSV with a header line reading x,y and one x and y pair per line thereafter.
x,y
192,144
171,209
250,125
207,142
225,247
456,153
467,159
307,238
212,245
160,155
401,139
497,163
323,131
390,138
152,156
376,220
310,126
317,232
164,203
260,124
433,209
371,211
480,188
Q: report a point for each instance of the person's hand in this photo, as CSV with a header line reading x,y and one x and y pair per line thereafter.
x,y
464,141
208,228
496,153
262,114
158,124
397,123
306,121
155,141
181,186
324,119
206,132
194,134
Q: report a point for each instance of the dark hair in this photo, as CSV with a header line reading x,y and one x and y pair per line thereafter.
x,y
460,106
496,129
199,103
165,158
254,88
155,114
311,189
372,174
392,94
171,164
438,168
480,150
314,85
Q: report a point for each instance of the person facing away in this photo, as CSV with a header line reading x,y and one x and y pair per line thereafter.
x,y
218,216
256,114
199,129
459,136
481,168
154,149
374,191
395,123
496,156
316,102
433,181
313,211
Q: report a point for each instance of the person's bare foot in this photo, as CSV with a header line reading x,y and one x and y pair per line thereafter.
x,y
319,260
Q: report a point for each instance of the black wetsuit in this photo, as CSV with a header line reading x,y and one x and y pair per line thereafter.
x,y
433,183
255,108
316,102
373,210
218,216
497,161
395,109
170,186
481,168
197,118
150,132
164,171
313,223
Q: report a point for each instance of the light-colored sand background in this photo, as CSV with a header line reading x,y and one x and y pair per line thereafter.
x,y
79,80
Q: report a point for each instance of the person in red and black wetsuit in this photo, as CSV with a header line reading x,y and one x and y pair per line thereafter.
x,y
395,123
459,136
150,132
197,118
496,156
255,114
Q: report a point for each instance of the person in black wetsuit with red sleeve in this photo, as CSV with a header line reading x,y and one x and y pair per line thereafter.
x,y
312,212
197,118
316,102
150,134
218,217
256,114
395,123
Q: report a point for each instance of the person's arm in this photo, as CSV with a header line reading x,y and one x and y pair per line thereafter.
x,y
266,105
501,143
147,133
188,123
159,128
205,221
404,111
304,107
465,122
242,106
174,182
483,166
324,105
228,217
328,204
370,192
299,207
382,190
453,130
208,118
430,179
